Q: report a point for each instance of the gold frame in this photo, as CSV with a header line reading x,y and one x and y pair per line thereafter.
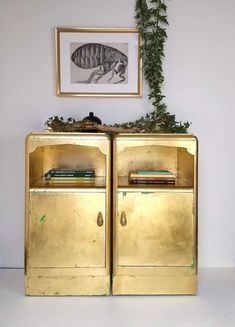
x,y
60,92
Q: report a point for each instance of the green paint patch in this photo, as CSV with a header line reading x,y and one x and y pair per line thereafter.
x,y
93,241
57,293
193,266
123,194
43,219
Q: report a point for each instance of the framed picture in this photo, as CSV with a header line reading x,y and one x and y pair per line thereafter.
x,y
98,62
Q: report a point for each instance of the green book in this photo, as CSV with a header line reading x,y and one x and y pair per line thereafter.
x,y
71,171
71,178
154,172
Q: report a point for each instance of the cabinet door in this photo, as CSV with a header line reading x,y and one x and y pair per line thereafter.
x,y
155,229
67,230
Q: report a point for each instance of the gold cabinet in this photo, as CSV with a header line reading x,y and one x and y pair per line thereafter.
x,y
67,237
67,225
155,226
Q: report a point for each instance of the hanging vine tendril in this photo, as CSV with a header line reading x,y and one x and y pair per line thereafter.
x,y
151,19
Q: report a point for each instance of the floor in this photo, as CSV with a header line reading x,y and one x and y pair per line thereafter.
x,y
214,306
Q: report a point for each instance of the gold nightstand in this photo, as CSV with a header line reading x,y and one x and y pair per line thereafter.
x,y
67,226
67,239
155,226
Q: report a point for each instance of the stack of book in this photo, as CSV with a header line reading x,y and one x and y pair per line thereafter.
x,y
152,177
82,176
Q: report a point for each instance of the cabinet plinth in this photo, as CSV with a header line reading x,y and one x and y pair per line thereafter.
x,y
67,224
155,251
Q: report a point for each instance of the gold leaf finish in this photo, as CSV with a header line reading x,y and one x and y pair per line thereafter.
x,y
67,225
156,251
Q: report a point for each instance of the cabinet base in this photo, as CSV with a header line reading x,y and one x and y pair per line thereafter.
x,y
150,285
67,285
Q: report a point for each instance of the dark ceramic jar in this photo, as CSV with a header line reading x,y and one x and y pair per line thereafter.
x,y
93,118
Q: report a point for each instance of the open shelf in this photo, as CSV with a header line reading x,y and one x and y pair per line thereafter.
x,y
66,156
175,157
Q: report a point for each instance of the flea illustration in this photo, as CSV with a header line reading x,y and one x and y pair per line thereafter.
x,y
103,59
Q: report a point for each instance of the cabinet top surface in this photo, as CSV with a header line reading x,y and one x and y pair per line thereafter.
x,y
104,136
172,136
60,135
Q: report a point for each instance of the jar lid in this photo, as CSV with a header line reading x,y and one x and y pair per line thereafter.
x,y
93,118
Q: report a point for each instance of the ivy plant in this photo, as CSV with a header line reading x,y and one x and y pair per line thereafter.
x,y
151,19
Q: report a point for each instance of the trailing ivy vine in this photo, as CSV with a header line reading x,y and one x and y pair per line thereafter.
x,y
151,19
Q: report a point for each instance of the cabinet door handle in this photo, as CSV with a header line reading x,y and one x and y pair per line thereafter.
x,y
100,220
123,220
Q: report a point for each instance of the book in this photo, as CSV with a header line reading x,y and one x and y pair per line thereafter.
x,y
152,174
157,181
79,182
152,178
71,178
71,171
69,175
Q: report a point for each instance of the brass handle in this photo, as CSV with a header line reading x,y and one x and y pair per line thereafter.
x,y
100,220
123,220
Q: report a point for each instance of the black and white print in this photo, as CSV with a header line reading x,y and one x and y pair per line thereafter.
x,y
99,63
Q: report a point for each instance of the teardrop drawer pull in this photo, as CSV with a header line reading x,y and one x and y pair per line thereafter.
x,y
100,220
123,220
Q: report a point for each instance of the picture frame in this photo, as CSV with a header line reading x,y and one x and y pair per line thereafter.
x,y
100,62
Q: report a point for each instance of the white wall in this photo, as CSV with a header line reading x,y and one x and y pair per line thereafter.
x,y
199,87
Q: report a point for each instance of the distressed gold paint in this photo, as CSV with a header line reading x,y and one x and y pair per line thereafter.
x,y
67,225
154,247
155,252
